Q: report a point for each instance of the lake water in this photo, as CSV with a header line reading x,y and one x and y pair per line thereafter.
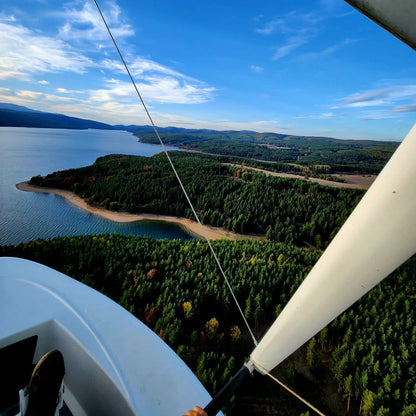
x,y
27,152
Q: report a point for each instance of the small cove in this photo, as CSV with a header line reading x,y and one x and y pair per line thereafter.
x,y
27,152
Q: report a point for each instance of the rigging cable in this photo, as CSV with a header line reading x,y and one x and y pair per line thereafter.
x,y
177,175
290,391
192,207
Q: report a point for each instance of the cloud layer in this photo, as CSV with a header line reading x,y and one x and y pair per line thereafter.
x,y
85,23
389,96
296,29
292,30
27,55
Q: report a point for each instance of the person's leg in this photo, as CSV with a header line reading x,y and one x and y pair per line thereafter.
x,y
43,395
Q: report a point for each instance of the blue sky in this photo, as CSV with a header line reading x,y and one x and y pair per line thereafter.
x,y
314,67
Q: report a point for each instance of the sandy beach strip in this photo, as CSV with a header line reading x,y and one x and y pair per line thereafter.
x,y
213,233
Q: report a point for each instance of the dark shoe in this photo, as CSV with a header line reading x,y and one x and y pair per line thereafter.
x,y
44,390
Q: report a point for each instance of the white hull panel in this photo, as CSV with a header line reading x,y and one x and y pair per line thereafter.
x,y
115,365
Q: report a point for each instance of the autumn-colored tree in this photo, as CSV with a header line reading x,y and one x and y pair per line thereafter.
x,y
187,309
151,315
235,333
153,275
212,327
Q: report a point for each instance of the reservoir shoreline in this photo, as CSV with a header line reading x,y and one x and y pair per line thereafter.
x,y
192,227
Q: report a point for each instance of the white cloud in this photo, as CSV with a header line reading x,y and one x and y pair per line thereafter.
x,y
403,91
142,67
65,91
388,96
327,51
370,98
410,108
43,82
296,29
165,119
325,116
271,27
156,82
256,68
7,18
293,30
5,94
56,99
86,23
292,43
154,88
321,116
290,23
24,52
376,114
29,95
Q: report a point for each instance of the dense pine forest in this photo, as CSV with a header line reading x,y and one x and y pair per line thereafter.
x,y
173,287
286,210
314,154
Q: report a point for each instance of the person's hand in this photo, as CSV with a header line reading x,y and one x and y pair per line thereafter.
x,y
197,411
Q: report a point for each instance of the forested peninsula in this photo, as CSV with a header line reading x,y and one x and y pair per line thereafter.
x,y
174,288
236,199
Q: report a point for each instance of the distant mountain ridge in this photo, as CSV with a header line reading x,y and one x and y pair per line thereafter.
x,y
12,115
18,116
7,106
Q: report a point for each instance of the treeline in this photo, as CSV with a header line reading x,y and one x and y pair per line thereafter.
x,y
174,287
341,156
286,210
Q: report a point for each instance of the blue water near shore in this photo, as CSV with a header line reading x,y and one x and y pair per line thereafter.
x,y
27,152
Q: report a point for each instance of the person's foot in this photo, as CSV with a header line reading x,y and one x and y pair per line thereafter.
x,y
44,390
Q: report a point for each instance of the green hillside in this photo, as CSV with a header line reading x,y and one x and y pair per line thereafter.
x,y
320,154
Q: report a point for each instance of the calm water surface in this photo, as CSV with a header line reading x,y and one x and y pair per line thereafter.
x,y
27,152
